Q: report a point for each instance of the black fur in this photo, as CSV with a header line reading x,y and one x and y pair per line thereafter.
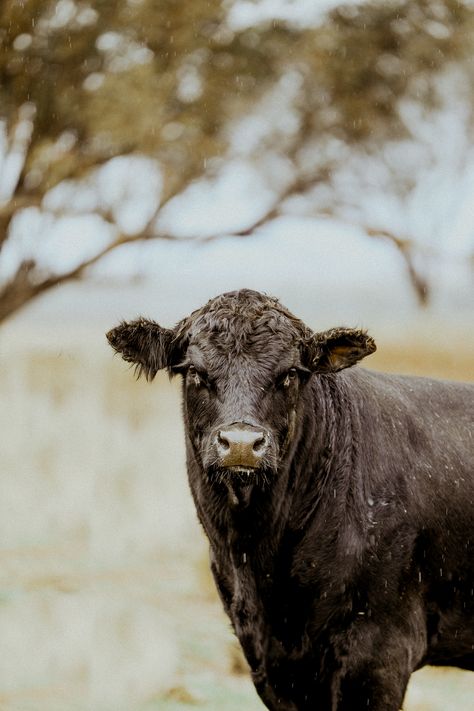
x,y
143,343
347,560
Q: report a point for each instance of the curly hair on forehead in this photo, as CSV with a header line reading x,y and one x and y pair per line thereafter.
x,y
238,316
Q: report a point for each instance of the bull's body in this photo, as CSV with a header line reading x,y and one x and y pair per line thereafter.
x,y
360,569
351,564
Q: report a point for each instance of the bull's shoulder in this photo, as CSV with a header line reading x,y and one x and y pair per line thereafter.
x,y
410,381
426,422
409,389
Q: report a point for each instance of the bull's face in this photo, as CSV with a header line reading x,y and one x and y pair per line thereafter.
x,y
240,403
245,362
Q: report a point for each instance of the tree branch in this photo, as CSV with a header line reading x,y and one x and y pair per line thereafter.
x,y
27,283
405,248
300,187
8,211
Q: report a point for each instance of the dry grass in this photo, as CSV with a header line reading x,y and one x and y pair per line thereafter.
x,y
106,601
449,362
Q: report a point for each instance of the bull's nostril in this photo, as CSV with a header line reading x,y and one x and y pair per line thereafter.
x,y
223,441
259,444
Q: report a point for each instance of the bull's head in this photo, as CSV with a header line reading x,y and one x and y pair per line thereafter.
x,y
245,362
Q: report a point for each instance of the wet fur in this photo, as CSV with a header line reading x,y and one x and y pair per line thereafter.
x,y
348,561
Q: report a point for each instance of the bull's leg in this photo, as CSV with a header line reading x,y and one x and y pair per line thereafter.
x,y
373,688
376,667
271,698
291,682
375,659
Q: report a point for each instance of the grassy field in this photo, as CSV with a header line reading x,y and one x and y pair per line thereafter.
x,y
106,600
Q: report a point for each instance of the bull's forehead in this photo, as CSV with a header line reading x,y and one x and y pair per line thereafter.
x,y
247,359
266,337
243,327
243,322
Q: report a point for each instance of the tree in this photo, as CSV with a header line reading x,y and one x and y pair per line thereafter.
x,y
171,80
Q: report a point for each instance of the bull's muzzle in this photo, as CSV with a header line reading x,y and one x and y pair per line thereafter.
x,y
240,445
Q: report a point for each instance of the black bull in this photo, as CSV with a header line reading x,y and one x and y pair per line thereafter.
x,y
339,504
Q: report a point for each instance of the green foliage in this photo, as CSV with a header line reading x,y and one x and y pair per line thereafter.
x,y
112,74
165,77
388,51
110,77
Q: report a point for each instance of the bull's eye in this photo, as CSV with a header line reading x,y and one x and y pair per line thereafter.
x,y
289,377
193,376
196,378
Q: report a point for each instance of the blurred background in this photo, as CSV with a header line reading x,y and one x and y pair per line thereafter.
x,y
154,153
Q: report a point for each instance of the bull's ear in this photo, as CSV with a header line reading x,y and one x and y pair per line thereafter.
x,y
338,348
143,343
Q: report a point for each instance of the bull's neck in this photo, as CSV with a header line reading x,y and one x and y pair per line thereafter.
x,y
321,474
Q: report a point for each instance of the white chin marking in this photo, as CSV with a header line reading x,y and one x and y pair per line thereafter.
x,y
242,470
